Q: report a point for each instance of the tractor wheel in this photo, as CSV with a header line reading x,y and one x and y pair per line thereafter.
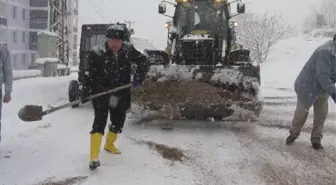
x,y
74,92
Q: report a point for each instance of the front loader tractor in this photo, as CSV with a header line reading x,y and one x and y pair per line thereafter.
x,y
204,72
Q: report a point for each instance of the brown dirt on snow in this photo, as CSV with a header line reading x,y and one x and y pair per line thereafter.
x,y
66,181
167,152
180,92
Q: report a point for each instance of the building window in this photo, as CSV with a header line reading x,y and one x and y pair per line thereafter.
x,y
23,37
23,14
38,19
14,63
14,12
3,21
3,9
14,36
75,39
33,58
3,35
33,41
24,61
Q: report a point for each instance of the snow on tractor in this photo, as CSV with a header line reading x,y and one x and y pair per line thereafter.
x,y
91,35
206,73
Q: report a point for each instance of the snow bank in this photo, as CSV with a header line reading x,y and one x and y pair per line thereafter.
x,y
45,60
286,60
74,68
53,34
228,76
20,74
36,91
173,72
62,66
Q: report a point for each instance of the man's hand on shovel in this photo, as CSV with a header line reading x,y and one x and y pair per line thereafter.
x,y
35,112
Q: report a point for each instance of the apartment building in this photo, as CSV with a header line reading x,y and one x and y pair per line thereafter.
x,y
20,20
73,29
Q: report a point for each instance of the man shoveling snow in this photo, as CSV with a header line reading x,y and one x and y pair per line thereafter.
x,y
109,67
314,85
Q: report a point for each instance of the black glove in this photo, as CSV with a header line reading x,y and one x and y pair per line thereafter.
x,y
333,96
84,94
138,79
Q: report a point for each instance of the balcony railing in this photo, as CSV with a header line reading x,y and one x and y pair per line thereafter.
x,y
38,24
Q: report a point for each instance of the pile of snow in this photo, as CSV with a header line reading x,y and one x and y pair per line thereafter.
x,y
235,76
62,66
19,74
197,37
172,72
46,60
74,68
227,76
44,32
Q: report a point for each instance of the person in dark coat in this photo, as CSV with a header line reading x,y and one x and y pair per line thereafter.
x,y
6,77
314,85
109,66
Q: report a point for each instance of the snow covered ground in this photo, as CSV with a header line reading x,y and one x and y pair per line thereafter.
x,y
23,74
233,153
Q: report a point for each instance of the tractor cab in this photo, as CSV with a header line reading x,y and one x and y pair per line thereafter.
x,y
91,36
201,30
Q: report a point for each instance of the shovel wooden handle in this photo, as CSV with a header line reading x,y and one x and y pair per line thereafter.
x,y
88,98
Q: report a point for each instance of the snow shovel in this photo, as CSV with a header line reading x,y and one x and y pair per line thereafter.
x,y
31,113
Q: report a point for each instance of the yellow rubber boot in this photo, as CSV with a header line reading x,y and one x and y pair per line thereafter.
x,y
95,143
109,145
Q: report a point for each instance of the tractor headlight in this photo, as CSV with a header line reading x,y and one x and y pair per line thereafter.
x,y
219,1
183,1
168,25
232,24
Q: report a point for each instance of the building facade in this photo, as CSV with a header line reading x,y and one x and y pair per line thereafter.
x,y
73,30
20,20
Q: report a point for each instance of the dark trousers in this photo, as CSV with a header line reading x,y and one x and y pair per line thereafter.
x,y
101,110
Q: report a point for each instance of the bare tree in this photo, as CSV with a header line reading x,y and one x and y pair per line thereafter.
x,y
260,32
323,16
328,10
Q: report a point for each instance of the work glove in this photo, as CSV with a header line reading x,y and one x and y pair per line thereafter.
x,y
113,101
333,96
137,80
84,94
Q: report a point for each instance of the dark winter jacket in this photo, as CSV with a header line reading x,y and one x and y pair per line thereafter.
x,y
318,75
107,71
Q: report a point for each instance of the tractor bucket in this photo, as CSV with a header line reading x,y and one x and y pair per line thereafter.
x,y
179,92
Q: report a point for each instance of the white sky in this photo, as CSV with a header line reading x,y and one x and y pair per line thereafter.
x,y
150,24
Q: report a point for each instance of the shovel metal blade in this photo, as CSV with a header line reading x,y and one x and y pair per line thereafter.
x,y
31,113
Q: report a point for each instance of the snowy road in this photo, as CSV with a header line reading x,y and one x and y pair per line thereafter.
x,y
230,154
